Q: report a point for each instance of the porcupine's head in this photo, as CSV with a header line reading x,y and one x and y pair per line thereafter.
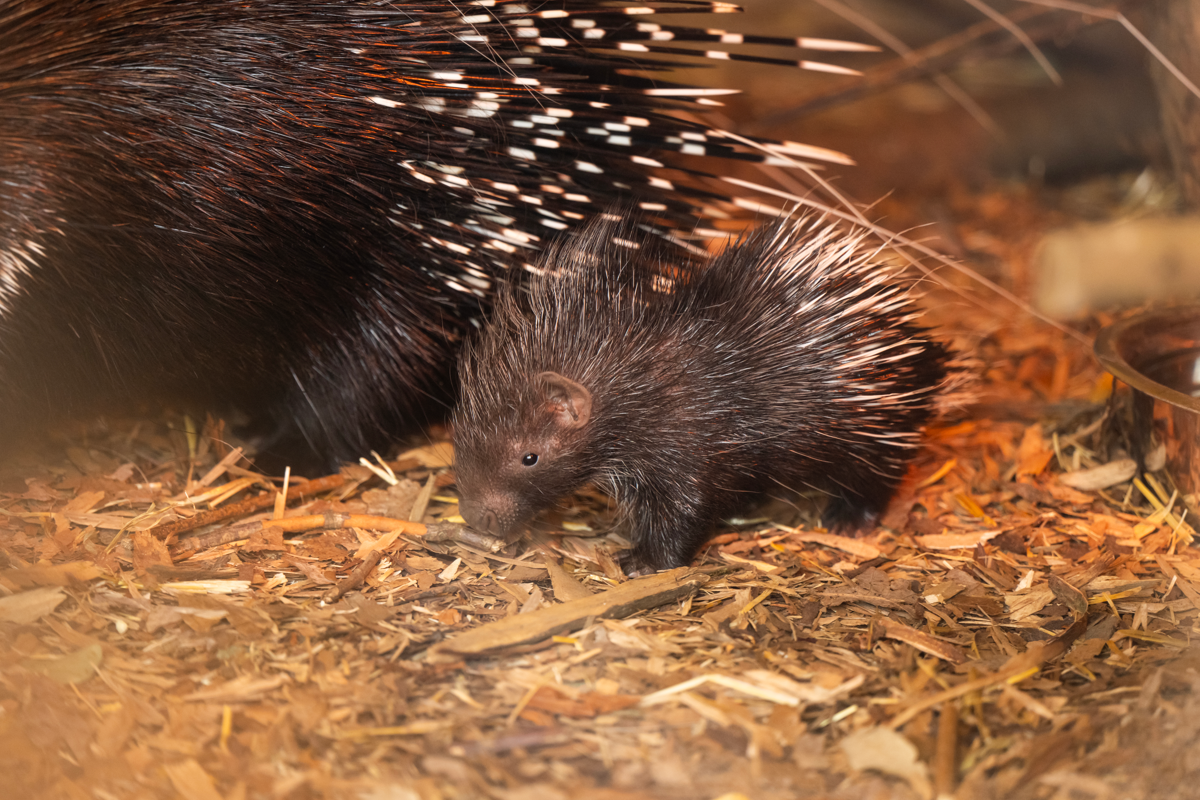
x,y
526,446
551,386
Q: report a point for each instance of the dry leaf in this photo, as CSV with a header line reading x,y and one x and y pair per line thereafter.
x,y
83,502
149,551
884,750
432,456
564,583
191,781
1021,606
955,541
1101,477
30,606
75,667
394,501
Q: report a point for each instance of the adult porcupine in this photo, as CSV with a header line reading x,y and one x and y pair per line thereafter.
x,y
792,359
294,207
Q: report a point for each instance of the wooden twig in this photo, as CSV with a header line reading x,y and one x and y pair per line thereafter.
x,y
333,519
945,757
170,531
355,578
339,519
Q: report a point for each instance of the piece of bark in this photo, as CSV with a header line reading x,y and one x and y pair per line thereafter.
x,y
921,640
615,603
566,588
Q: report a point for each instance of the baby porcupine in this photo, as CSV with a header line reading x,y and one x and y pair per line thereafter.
x,y
792,359
296,208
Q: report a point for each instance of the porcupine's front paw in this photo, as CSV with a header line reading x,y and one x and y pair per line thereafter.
x,y
856,516
651,554
635,564
665,534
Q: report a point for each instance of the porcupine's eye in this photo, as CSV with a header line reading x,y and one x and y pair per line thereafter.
x,y
529,459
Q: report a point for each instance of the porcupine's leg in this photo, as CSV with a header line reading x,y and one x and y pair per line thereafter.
x,y
667,529
856,505
374,375
863,484
326,420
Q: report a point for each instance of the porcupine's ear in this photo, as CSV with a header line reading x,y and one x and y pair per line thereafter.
x,y
567,401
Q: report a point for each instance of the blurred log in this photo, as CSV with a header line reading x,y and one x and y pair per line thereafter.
x,y
1175,28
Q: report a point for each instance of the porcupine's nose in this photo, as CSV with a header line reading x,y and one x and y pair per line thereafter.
x,y
491,523
480,517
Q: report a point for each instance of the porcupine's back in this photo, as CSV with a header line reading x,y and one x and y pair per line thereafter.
x,y
294,207
819,365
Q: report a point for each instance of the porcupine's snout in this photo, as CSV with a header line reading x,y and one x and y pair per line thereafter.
x,y
479,517
490,515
